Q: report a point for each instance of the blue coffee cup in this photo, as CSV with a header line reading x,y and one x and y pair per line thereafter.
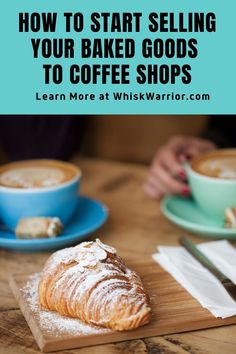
x,y
56,201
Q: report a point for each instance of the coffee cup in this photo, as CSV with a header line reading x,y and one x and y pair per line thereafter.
x,y
38,188
212,179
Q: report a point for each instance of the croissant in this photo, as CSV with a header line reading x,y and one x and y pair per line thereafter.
x,y
91,282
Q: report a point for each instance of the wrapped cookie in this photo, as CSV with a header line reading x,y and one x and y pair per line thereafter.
x,y
230,218
38,227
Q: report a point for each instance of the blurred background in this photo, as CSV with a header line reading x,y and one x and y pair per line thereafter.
x,y
128,138
135,138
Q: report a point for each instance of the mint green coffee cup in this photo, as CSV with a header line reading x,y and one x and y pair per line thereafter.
x,y
212,194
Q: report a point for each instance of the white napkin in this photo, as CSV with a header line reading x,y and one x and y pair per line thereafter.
x,y
197,280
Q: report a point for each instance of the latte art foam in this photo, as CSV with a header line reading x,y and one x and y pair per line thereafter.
x,y
219,165
32,177
37,174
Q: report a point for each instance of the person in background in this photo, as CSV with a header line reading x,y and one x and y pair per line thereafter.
x,y
167,175
59,137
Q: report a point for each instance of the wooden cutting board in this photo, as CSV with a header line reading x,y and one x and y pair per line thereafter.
x,y
174,311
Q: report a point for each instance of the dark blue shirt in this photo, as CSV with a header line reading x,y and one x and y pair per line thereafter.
x,y
30,137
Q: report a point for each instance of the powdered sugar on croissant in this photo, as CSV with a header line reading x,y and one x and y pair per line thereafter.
x,y
91,282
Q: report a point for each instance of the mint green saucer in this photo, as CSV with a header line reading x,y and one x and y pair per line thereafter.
x,y
185,213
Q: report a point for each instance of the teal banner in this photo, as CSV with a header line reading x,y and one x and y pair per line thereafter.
x,y
103,57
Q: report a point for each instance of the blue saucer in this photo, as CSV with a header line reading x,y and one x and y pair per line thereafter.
x,y
89,216
185,213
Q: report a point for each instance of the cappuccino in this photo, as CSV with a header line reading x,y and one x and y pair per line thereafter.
x,y
218,164
37,174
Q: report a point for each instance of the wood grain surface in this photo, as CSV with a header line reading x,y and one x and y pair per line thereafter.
x,y
135,227
173,311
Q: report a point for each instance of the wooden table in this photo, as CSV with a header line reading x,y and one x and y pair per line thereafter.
x,y
135,227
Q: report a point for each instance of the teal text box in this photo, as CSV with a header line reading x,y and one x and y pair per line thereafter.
x,y
211,91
